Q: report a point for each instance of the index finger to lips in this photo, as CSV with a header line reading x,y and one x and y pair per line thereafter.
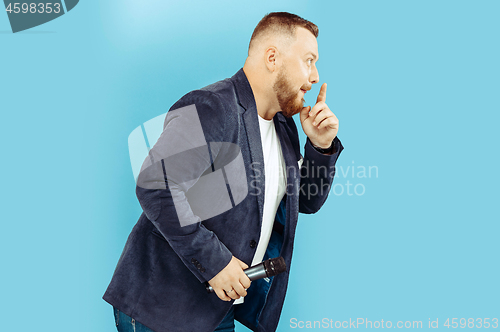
x,y
322,94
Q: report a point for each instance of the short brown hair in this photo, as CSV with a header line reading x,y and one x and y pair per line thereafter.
x,y
282,22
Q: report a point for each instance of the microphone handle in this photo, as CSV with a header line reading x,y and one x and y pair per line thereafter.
x,y
256,272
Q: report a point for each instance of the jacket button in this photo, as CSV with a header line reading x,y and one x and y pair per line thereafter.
x,y
202,269
253,244
194,261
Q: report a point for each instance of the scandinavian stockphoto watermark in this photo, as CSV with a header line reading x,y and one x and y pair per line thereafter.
x,y
25,15
320,176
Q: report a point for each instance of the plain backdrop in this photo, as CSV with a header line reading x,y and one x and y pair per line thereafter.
x,y
415,85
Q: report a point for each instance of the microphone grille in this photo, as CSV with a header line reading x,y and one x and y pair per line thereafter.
x,y
275,266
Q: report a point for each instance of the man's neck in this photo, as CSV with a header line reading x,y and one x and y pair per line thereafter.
x,y
267,106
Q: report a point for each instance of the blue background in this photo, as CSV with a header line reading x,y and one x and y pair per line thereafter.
x,y
415,85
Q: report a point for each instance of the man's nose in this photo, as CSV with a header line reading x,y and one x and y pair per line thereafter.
x,y
314,77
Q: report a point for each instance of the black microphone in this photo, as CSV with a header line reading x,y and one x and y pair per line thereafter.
x,y
268,268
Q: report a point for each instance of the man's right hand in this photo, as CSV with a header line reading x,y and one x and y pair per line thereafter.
x,y
231,282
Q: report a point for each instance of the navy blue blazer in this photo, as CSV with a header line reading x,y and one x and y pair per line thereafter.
x,y
159,278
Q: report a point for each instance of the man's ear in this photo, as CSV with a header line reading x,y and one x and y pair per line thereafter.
x,y
272,59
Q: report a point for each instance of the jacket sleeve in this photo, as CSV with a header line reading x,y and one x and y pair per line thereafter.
x,y
316,176
182,155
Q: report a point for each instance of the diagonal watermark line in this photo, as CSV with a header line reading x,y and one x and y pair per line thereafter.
x,y
145,137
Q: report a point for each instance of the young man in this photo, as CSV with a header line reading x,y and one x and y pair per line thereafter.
x,y
242,129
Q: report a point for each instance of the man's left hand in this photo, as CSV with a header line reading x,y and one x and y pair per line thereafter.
x,y
319,123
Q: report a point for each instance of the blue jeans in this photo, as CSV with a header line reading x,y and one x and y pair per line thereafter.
x,y
125,323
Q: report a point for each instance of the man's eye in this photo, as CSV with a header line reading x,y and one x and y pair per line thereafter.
x,y
309,61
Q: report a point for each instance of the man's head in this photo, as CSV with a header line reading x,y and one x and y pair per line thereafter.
x,y
282,59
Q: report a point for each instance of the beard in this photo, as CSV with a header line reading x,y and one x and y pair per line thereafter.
x,y
287,96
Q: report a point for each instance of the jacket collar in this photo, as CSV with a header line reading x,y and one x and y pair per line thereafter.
x,y
244,90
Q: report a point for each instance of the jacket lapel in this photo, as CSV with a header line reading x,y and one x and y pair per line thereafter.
x,y
255,144
251,121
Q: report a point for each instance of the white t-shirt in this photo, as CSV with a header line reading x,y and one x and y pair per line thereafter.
x,y
275,185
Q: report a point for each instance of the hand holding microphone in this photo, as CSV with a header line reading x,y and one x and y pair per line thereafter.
x,y
231,282
268,268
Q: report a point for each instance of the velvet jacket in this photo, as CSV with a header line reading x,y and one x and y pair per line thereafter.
x,y
159,279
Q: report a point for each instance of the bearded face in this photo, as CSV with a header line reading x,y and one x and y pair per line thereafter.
x,y
288,97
